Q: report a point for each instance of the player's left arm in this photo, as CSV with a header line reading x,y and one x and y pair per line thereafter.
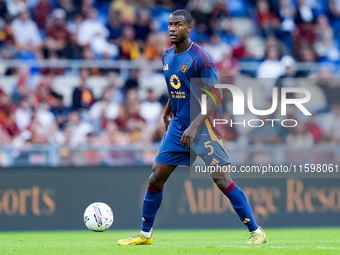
x,y
209,77
189,134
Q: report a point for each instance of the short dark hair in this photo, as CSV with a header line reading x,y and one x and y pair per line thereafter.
x,y
181,12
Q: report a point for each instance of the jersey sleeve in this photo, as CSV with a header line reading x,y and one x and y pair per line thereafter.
x,y
207,70
163,56
166,53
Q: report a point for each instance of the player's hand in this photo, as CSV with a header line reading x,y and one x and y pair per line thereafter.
x,y
188,136
166,120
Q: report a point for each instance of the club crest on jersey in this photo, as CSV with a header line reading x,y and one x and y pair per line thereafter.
x,y
175,82
184,68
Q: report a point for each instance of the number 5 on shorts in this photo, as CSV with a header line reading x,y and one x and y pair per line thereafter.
x,y
208,145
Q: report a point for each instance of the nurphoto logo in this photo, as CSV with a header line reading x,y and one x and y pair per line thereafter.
x,y
239,105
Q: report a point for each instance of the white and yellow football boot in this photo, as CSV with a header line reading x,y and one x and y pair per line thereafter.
x,y
257,238
137,239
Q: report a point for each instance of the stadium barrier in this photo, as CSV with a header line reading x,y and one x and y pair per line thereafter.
x,y
74,65
136,155
55,199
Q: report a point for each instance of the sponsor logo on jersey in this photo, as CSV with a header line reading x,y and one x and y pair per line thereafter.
x,y
175,82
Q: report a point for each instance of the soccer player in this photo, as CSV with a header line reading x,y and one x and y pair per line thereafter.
x,y
183,61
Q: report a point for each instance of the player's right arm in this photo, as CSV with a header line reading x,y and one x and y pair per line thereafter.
x,y
167,114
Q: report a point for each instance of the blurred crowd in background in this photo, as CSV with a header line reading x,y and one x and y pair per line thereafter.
x,y
283,33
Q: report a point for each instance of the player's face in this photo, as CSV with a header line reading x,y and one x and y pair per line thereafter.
x,y
178,29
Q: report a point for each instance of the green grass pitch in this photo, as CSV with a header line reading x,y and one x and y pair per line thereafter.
x,y
280,241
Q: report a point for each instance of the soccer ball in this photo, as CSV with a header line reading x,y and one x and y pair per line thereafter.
x,y
98,217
